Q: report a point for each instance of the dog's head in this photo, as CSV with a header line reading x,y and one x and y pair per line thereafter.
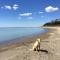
x,y
39,40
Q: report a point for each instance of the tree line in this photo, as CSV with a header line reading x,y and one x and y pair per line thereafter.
x,y
55,22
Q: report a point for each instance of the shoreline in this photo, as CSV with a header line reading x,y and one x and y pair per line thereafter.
x,y
24,41
50,41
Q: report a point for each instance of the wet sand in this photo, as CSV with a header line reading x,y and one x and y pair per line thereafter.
x,y
50,42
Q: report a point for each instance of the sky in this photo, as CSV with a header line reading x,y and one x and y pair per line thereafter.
x,y
28,13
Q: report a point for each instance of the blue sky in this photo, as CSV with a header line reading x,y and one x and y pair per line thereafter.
x,y
28,13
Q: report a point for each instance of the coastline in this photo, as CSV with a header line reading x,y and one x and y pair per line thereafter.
x,y
24,41
50,42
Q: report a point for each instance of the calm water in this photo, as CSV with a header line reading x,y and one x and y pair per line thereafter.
x,y
12,33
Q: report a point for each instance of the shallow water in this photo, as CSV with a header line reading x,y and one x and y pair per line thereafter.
x,y
12,33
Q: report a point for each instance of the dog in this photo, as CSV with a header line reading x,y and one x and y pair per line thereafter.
x,y
36,45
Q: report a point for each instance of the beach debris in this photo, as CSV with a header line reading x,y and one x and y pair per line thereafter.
x,y
36,46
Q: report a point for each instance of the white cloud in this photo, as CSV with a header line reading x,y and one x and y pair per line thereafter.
x,y
8,7
26,14
51,9
15,7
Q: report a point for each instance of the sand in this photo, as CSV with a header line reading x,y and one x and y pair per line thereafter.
x,y
50,42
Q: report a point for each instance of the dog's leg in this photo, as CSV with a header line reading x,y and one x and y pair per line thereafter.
x,y
39,46
34,49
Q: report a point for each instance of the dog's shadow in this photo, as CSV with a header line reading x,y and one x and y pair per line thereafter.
x,y
42,50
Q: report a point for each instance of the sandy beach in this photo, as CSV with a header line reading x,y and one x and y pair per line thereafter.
x,y
50,41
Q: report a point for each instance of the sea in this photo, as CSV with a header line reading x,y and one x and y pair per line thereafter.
x,y
11,33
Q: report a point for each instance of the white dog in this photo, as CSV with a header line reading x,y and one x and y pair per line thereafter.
x,y
36,45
